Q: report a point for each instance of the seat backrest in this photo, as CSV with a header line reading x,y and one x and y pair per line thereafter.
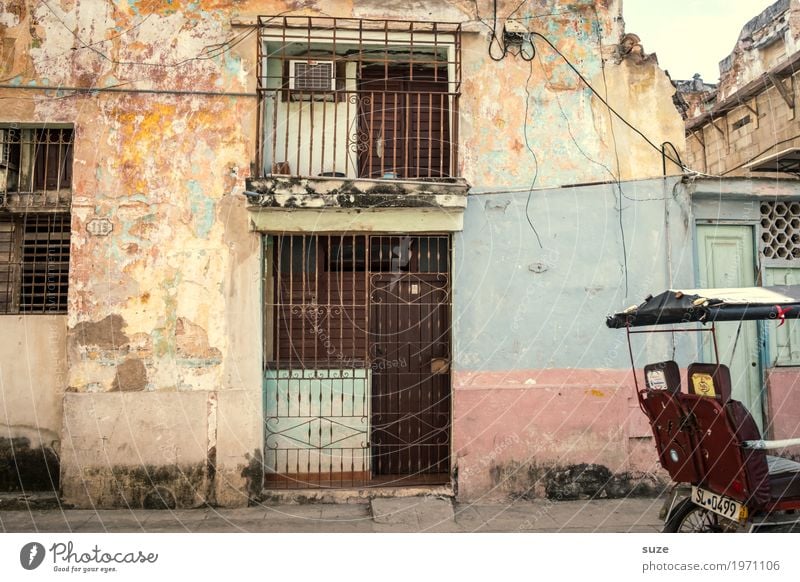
x,y
663,376
712,380
724,466
673,437
755,460
717,452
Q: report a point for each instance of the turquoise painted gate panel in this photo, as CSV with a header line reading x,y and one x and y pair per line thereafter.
x,y
317,421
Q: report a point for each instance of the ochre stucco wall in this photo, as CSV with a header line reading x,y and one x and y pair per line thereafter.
x,y
33,373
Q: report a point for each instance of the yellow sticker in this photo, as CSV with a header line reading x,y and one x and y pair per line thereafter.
x,y
703,384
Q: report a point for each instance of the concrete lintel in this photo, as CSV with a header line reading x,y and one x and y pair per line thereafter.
x,y
401,220
277,191
744,188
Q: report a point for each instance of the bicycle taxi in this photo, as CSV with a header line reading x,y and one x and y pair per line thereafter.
x,y
708,442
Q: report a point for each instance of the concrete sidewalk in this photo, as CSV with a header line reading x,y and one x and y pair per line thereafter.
x,y
410,514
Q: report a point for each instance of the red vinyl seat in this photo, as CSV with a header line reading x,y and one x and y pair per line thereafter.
x,y
699,436
667,417
723,424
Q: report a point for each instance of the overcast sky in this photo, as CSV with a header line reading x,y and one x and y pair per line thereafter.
x,y
690,36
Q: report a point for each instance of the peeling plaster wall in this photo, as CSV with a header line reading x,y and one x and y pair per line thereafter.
x,y
535,366
164,311
164,304
33,370
535,433
569,130
784,408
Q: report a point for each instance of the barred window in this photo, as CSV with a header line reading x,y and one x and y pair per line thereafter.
x,y
34,262
35,166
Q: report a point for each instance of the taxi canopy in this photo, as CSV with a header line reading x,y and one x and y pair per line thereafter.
x,y
708,305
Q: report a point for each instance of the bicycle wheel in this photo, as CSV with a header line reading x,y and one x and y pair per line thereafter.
x,y
688,517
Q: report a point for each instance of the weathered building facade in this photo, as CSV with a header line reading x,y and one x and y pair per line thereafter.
x,y
327,245
750,113
743,141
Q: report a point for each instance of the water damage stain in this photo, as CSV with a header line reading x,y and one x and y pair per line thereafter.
x,y
571,482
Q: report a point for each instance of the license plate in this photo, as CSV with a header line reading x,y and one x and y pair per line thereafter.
x,y
719,504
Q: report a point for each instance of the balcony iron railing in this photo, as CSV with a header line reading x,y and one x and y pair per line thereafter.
x,y
354,98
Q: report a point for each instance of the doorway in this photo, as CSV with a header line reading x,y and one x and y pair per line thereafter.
x,y
357,360
403,122
726,258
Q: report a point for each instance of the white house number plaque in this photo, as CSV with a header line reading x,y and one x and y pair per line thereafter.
x,y
99,227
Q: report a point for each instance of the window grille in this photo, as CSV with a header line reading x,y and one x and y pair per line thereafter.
x,y
34,263
780,232
35,167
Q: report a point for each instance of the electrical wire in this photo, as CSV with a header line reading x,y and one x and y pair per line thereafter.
x,y
478,17
216,50
535,159
755,157
60,55
495,41
116,88
494,38
212,53
602,100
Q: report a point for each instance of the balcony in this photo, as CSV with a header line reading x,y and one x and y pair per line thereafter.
x,y
357,113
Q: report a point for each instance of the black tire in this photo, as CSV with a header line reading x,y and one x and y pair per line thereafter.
x,y
688,517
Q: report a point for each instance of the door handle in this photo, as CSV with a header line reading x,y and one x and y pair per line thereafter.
x,y
440,366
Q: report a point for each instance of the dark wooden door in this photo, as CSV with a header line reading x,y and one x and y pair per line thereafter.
x,y
410,355
403,123
53,159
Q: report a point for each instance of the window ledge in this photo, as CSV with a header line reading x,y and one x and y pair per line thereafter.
x,y
297,192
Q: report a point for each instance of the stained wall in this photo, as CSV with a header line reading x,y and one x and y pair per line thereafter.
x,y
162,369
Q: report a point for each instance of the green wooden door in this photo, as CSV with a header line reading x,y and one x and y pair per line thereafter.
x,y
726,259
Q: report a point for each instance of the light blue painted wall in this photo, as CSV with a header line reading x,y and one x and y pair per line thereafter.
x,y
519,306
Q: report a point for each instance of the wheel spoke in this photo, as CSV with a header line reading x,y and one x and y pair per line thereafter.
x,y
700,520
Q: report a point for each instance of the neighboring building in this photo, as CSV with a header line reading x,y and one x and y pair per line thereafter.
x,y
746,210
340,247
750,115
694,97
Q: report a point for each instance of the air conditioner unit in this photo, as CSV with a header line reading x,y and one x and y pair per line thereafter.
x,y
305,75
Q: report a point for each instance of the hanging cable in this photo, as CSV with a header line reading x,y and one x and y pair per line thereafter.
x,y
535,159
602,100
494,40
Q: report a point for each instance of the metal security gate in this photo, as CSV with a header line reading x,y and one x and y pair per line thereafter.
x,y
357,352
403,119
